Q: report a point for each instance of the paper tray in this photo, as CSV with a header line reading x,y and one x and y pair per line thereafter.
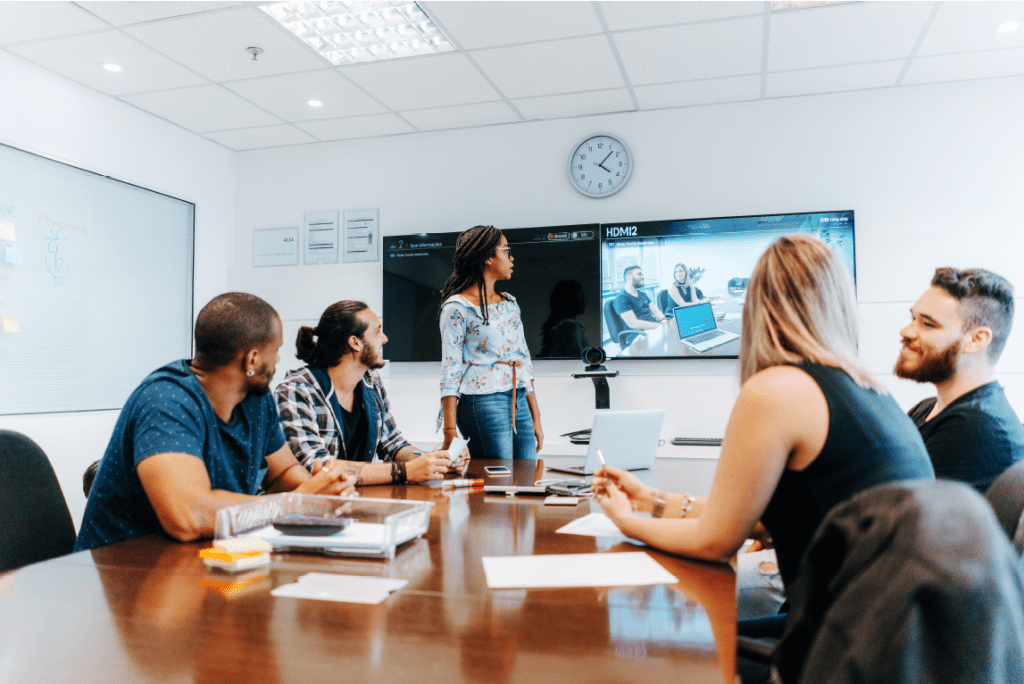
x,y
379,525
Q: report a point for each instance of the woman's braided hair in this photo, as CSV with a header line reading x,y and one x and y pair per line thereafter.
x,y
473,248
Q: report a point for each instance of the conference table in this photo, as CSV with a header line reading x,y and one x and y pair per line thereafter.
x,y
148,610
664,341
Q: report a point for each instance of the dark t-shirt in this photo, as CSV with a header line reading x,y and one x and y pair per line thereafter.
x,y
355,426
640,306
870,441
170,413
974,439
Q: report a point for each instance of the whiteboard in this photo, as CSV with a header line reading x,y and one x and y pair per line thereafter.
x,y
96,277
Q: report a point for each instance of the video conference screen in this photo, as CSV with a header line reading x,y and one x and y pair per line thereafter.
x,y
694,273
556,280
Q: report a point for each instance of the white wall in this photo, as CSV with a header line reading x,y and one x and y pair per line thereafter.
x,y
56,118
934,173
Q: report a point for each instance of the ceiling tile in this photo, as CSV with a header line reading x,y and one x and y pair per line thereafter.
x,y
686,53
970,26
463,116
557,67
203,108
214,44
21,21
966,66
287,96
357,127
421,82
631,15
735,89
133,11
577,104
82,57
264,136
834,79
845,34
489,24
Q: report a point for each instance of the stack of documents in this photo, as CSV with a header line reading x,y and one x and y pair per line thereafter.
x,y
575,570
344,588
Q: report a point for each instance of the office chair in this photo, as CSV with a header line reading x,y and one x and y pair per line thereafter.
x,y
904,582
617,328
665,303
36,524
1006,496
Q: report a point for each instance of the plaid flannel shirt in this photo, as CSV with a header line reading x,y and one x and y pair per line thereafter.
x,y
311,428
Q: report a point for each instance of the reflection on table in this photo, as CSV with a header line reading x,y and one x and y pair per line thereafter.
x,y
147,610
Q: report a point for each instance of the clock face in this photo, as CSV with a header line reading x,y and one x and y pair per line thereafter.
x,y
600,166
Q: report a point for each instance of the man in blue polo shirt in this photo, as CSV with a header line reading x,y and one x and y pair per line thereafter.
x,y
200,434
635,309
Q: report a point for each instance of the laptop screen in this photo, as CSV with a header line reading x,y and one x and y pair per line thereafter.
x,y
691,320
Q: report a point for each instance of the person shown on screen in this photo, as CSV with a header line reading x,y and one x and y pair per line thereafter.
x,y
561,335
957,331
200,434
635,309
810,428
681,291
485,363
335,407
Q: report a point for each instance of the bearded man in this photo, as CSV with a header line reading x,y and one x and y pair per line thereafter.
x,y
958,330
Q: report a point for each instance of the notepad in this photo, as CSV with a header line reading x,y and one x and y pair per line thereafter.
x,y
322,586
594,525
575,570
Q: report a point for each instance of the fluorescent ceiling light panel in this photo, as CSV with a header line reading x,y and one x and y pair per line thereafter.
x,y
780,5
1008,26
112,67
349,32
315,103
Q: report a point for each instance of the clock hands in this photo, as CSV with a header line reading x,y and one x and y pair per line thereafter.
x,y
603,161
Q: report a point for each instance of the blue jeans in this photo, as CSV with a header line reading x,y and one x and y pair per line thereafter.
x,y
486,420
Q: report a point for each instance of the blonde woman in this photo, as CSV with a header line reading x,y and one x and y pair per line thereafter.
x,y
810,428
681,291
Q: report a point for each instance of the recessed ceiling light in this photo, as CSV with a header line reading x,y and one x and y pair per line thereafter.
x,y
112,67
1008,26
350,31
315,103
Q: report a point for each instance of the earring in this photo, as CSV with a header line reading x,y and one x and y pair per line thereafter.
x,y
250,372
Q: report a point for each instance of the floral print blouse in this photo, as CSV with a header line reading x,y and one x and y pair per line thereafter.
x,y
470,350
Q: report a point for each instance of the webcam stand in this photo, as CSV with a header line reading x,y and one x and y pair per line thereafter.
x,y
599,374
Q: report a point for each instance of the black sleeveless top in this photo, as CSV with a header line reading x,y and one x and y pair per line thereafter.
x,y
870,440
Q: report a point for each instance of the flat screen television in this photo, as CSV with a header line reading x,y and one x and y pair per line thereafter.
x,y
718,255
553,266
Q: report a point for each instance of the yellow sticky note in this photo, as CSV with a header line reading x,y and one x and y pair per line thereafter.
x,y
11,324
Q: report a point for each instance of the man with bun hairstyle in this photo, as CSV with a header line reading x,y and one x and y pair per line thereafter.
x,y
957,331
336,406
199,435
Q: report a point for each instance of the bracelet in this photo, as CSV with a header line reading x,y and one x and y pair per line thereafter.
x,y
659,505
451,429
402,476
394,472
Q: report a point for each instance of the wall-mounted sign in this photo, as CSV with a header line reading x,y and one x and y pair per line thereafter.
x,y
275,247
362,235
321,237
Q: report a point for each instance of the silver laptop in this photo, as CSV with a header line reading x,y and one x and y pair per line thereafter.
x,y
697,327
627,440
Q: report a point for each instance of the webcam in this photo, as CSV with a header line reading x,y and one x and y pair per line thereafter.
x,y
594,357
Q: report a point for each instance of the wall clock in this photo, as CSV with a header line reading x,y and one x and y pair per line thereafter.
x,y
600,166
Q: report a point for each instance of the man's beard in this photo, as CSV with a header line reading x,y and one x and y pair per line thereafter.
x,y
260,387
368,357
934,367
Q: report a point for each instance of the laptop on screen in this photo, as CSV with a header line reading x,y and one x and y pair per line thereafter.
x,y
627,440
698,329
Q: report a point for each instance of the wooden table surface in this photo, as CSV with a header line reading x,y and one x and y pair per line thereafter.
x,y
147,610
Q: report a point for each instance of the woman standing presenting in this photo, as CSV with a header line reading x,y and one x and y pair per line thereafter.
x,y
485,364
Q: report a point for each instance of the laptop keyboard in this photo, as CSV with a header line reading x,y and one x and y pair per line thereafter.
x,y
705,336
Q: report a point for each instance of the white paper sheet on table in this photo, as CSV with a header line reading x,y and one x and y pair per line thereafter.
x,y
575,570
594,525
344,588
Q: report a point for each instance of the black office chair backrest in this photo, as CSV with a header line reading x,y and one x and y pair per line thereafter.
x,y
665,303
1006,496
908,582
613,320
35,523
